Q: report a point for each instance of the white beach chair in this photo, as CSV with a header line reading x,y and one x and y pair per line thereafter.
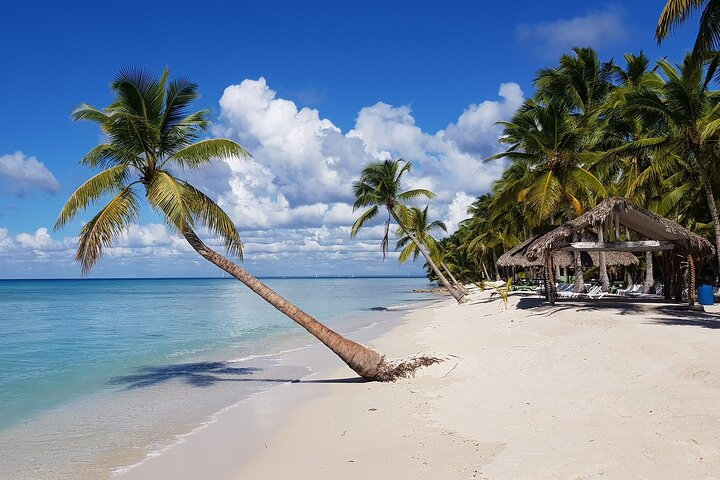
x,y
565,290
637,288
596,292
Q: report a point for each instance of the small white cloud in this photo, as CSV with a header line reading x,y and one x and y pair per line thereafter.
x,y
595,29
20,175
40,240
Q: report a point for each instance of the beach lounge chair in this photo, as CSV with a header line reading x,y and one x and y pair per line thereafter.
x,y
596,292
637,288
565,290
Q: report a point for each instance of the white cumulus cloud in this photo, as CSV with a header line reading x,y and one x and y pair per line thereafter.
x,y
292,201
20,175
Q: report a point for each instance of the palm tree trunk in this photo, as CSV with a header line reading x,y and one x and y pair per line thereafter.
x,y
579,279
457,284
707,187
604,280
497,271
366,362
487,275
458,295
649,275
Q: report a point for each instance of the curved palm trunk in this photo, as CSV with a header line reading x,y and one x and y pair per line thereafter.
x,y
457,284
457,295
366,362
604,280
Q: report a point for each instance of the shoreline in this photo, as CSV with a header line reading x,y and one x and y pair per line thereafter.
x,y
579,390
275,400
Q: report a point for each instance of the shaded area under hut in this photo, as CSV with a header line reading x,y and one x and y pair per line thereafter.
x,y
613,228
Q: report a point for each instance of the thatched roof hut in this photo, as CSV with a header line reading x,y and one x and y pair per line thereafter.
x,y
611,214
516,257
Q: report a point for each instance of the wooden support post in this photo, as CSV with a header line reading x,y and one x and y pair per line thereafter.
x,y
667,287
551,279
691,281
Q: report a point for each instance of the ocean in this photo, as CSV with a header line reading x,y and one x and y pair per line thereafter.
x,y
95,375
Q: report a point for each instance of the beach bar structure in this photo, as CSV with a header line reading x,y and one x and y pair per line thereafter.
x,y
608,222
516,257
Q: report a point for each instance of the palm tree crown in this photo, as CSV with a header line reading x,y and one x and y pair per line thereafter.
x,y
150,135
677,11
380,185
419,224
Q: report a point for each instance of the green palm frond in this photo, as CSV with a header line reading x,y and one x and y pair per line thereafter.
x,y
107,181
414,194
363,219
88,112
105,227
203,152
166,194
210,215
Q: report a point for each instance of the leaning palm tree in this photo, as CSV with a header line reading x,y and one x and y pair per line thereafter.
x,y
380,186
677,11
150,137
419,224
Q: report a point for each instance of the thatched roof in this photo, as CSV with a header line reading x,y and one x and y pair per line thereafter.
x,y
516,257
614,212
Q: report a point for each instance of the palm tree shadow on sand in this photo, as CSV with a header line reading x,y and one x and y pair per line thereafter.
x,y
206,374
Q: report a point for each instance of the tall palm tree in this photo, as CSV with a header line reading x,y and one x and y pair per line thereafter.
x,y
418,223
582,83
677,11
150,137
545,134
634,173
687,113
380,185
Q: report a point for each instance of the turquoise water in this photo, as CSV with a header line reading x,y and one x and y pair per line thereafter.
x,y
86,361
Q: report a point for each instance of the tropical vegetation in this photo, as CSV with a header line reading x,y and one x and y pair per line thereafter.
x,y
593,129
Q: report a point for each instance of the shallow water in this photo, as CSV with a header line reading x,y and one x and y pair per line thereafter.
x,y
96,374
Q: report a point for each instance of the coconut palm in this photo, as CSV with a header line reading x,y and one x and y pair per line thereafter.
x,y
635,173
150,138
687,114
581,82
380,186
418,223
677,11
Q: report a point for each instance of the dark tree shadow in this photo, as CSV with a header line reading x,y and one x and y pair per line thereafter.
x,y
673,315
526,303
205,374
199,374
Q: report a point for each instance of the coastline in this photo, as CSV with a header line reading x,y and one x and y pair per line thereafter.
x,y
580,390
263,411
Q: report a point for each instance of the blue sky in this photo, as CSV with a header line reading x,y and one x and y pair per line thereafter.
x,y
313,89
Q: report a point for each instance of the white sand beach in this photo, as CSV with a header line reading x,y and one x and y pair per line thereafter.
x,y
582,390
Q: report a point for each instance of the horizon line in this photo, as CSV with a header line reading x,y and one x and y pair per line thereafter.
x,y
263,277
